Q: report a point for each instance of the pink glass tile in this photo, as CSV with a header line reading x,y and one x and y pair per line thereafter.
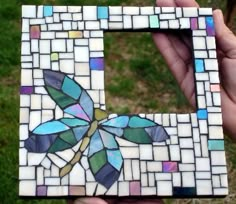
x,y
135,188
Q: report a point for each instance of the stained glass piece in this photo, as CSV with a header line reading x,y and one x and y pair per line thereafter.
x,y
137,122
102,12
87,104
39,144
170,166
50,127
71,88
194,23
97,161
115,158
26,90
216,145
58,145
47,11
157,133
35,32
97,64
108,140
73,122
69,137
202,114
199,65
53,79
118,122
115,131
80,132
210,26
154,21
77,111
96,144
184,191
137,135
54,57
100,114
60,98
93,128
107,175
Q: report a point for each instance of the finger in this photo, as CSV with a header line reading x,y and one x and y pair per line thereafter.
x,y
226,40
186,3
89,201
173,60
167,3
181,48
182,70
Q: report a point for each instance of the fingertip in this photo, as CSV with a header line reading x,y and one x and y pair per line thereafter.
x,y
89,201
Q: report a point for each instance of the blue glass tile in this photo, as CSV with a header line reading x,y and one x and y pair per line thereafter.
x,y
72,122
87,104
96,63
216,145
199,65
115,131
137,122
115,158
118,122
102,12
47,11
210,26
50,128
95,144
108,140
80,131
202,114
71,88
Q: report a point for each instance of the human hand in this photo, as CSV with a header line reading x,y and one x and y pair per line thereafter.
x,y
115,201
176,51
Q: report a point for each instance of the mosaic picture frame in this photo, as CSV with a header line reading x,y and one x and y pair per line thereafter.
x,y
69,146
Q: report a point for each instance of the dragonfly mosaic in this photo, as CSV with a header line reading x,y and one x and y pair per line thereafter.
x,y
70,146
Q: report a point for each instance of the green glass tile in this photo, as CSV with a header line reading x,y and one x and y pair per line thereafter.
x,y
137,135
69,137
59,145
100,114
154,22
216,145
54,57
60,98
97,161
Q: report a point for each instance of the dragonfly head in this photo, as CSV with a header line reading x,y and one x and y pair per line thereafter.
x,y
100,114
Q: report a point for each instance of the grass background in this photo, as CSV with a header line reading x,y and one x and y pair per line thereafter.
x,y
133,68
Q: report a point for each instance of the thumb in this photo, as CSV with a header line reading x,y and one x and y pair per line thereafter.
x,y
226,40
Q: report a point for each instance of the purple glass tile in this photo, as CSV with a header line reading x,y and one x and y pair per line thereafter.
x,y
97,63
210,26
170,167
135,188
26,90
194,23
41,190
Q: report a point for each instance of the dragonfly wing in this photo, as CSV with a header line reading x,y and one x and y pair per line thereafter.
x,y
56,135
69,95
104,158
136,129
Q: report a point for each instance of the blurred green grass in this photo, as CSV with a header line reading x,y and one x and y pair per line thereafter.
x,y
137,80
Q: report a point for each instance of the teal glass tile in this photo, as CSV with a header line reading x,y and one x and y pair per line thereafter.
x,y
47,11
154,22
202,114
199,65
71,88
216,145
102,12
